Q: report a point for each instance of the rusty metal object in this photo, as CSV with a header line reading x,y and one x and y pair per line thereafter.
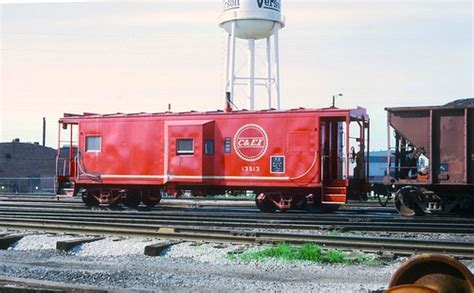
x,y
444,136
411,289
403,203
432,273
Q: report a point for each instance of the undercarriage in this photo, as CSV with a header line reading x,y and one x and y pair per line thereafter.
x,y
416,200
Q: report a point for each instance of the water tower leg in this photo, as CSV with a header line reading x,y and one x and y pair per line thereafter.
x,y
232,62
277,69
252,73
269,67
226,69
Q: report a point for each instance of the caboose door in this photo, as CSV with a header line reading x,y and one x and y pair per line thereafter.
x,y
184,150
332,160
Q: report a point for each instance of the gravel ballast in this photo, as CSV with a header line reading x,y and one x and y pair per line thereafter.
x,y
119,263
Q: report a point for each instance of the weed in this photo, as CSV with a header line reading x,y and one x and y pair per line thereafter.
x,y
231,256
307,252
334,256
336,232
368,259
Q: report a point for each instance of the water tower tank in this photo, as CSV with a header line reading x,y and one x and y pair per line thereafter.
x,y
254,19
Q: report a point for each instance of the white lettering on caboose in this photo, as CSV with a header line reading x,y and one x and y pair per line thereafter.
x,y
250,142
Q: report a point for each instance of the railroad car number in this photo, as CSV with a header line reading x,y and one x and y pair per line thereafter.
x,y
250,168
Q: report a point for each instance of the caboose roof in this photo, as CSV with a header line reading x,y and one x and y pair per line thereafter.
x,y
357,113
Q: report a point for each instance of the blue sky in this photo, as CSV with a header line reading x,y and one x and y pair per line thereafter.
x,y
139,56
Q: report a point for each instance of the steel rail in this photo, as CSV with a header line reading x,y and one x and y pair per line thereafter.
x,y
183,202
372,244
463,228
193,211
242,214
167,199
212,213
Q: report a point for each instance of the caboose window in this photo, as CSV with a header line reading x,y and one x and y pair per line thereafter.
x,y
185,146
93,143
209,147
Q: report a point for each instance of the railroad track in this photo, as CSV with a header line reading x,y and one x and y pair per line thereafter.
x,y
242,225
367,244
244,220
72,208
185,201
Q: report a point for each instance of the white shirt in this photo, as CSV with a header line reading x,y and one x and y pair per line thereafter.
x,y
423,163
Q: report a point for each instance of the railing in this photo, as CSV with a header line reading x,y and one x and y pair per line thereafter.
x,y
62,166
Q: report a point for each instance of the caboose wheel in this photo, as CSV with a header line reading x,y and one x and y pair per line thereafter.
x,y
132,198
266,207
264,204
89,200
151,197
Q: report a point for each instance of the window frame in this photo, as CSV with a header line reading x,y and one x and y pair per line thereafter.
x,y
213,145
184,152
87,145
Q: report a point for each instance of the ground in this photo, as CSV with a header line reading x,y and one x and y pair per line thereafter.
x,y
117,263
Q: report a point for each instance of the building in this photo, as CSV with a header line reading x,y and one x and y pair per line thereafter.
x,y
378,165
26,168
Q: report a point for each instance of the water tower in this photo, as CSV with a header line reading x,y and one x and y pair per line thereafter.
x,y
252,20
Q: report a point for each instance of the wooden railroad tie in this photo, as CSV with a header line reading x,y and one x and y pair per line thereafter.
x,y
158,248
7,240
67,245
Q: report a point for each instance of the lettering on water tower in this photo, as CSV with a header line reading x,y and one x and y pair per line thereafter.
x,y
231,4
265,4
269,4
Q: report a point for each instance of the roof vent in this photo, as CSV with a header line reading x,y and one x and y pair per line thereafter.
x,y
16,140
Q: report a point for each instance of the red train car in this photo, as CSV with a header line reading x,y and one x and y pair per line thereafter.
x,y
290,159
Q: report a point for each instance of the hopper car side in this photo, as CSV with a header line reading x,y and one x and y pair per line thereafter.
x,y
443,136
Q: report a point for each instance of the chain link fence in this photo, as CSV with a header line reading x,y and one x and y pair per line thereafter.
x,y
27,185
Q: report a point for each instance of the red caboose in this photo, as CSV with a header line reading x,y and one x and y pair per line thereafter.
x,y
290,159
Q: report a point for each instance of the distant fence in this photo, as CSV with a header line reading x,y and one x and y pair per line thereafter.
x,y
27,185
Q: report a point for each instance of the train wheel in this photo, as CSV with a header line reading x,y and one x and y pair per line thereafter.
x,y
89,199
151,197
384,198
114,197
264,204
132,198
405,202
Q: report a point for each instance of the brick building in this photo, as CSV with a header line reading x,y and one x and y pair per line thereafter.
x,y
26,167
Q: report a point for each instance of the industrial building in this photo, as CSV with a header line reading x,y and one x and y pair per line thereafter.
x,y
26,167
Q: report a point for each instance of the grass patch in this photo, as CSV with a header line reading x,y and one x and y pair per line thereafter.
x,y
336,232
306,252
334,256
368,259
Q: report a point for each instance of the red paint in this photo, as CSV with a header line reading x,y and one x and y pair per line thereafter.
x,y
141,149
